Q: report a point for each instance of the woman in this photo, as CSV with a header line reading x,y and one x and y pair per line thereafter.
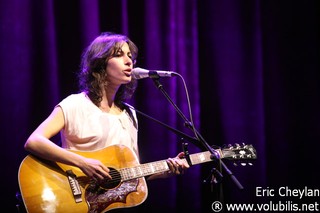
x,y
96,117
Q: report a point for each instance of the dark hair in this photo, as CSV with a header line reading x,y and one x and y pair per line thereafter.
x,y
93,67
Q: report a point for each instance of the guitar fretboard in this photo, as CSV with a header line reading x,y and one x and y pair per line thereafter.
x,y
159,166
144,170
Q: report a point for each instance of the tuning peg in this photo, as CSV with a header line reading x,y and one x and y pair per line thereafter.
x,y
243,164
245,146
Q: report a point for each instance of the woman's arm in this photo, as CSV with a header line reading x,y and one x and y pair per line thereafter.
x,y
39,144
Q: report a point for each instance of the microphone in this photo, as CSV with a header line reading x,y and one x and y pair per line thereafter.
x,y
139,73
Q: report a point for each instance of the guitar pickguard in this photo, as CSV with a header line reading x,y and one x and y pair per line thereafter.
x,y
100,198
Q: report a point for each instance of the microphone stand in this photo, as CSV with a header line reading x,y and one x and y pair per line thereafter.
x,y
214,154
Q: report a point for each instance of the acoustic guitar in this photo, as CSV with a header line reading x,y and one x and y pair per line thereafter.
x,y
53,187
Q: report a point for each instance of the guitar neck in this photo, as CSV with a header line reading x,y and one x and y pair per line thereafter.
x,y
160,166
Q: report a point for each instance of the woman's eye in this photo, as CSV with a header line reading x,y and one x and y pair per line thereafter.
x,y
121,53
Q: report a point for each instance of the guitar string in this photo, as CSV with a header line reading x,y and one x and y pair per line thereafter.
x,y
119,177
116,172
119,174
122,171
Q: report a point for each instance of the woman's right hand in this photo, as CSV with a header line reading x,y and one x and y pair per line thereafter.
x,y
94,169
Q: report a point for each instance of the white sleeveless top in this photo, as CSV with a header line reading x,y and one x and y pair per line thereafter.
x,y
87,128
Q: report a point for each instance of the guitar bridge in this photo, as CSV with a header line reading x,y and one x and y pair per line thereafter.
x,y
75,188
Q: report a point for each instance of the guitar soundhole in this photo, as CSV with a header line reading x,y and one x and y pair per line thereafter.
x,y
114,182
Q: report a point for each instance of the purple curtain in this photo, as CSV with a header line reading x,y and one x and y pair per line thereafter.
x,y
251,70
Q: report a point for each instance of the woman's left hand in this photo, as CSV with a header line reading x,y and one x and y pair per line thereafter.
x,y
177,165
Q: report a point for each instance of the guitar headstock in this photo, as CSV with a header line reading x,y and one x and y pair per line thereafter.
x,y
239,153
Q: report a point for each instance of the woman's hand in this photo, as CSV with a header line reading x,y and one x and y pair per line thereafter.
x,y
176,165
94,169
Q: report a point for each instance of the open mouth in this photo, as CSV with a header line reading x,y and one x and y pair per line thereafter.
x,y
127,73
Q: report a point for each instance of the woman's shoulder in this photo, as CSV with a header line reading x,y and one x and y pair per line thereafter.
x,y
76,99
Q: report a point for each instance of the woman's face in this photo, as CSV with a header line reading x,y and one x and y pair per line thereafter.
x,y
119,66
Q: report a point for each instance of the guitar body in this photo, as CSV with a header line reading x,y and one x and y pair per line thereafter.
x,y
45,186
51,187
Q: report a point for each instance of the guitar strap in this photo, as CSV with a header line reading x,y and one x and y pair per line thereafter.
x,y
177,132
186,153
